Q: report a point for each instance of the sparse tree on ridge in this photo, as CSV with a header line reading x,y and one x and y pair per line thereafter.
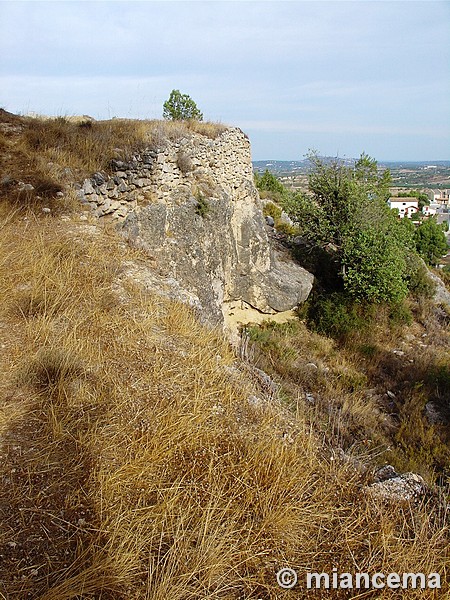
x,y
181,107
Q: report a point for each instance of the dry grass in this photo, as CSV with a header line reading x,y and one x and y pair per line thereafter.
x,y
346,384
50,154
138,458
137,464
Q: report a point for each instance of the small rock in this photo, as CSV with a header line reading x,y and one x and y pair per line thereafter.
x,y
117,164
311,365
402,488
122,211
385,473
87,187
270,221
115,205
98,178
46,210
398,352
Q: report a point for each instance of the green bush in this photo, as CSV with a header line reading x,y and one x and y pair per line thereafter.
x,y
181,107
335,315
445,276
269,183
419,284
431,242
272,210
202,208
400,314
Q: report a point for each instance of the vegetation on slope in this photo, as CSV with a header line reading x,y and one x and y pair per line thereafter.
x,y
140,459
372,296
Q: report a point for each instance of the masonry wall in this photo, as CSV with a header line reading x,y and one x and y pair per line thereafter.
x,y
196,164
193,207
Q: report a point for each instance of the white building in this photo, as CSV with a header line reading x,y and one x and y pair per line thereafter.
x,y
406,206
431,210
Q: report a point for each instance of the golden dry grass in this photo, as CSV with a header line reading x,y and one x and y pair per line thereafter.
x,y
51,153
137,464
349,382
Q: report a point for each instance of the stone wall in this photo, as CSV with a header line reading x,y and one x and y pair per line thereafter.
x,y
192,205
171,173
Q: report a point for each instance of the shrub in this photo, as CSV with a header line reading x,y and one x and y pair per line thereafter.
x,y
335,315
272,210
374,266
184,163
202,208
431,242
400,314
347,211
445,276
181,107
419,284
269,183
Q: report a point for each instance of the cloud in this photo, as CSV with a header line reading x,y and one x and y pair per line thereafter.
x,y
344,128
359,67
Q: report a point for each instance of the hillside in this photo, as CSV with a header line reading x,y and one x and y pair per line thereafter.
x,y
142,457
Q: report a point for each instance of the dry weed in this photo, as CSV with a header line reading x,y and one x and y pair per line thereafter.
x,y
138,460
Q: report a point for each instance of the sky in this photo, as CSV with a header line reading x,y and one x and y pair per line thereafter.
x,y
339,77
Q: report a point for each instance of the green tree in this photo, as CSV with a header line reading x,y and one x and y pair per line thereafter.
x,y
431,242
269,183
180,107
374,267
347,212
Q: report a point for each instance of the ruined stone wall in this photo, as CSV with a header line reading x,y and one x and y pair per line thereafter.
x,y
194,164
192,205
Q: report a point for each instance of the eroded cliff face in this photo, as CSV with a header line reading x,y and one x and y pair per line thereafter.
x,y
200,220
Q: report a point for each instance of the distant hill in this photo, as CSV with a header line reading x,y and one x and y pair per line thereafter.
x,y
279,167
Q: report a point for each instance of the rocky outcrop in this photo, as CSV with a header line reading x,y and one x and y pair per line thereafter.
x,y
194,209
441,294
390,486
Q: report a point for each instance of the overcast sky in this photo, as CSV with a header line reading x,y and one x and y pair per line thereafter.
x,y
340,77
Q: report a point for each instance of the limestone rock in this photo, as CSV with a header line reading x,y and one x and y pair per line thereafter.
x,y
397,488
220,251
87,187
204,225
441,294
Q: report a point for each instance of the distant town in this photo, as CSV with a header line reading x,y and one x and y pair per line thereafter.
x,y
419,190
432,178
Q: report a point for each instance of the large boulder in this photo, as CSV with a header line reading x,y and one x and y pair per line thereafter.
x,y
206,229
